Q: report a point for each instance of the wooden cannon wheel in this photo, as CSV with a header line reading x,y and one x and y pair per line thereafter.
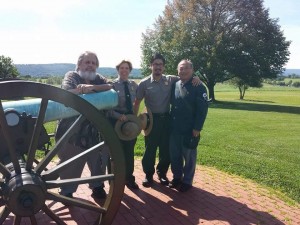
x,y
26,183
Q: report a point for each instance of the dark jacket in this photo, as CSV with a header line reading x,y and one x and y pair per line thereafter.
x,y
188,107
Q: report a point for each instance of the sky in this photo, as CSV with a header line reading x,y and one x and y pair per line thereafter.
x,y
58,31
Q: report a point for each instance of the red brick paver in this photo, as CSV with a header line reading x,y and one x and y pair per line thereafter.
x,y
216,198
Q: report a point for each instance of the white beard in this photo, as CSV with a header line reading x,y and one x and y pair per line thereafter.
x,y
87,75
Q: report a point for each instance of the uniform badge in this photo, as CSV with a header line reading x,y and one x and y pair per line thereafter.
x,y
205,96
166,83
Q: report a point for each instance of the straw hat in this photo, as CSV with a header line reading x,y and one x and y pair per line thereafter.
x,y
146,119
130,129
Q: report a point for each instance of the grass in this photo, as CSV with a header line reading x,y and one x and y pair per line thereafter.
x,y
257,138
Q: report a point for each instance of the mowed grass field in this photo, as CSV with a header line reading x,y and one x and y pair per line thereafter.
x,y
257,138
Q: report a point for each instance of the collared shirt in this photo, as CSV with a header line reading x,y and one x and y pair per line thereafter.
x,y
119,88
72,79
189,107
156,93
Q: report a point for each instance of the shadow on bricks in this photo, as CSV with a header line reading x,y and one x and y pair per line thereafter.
x,y
165,206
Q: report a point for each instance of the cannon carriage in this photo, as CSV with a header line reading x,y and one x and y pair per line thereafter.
x,y
27,183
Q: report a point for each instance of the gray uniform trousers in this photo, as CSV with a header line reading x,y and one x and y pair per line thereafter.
x,y
96,161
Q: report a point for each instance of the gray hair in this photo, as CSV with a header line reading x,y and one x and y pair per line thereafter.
x,y
81,57
186,61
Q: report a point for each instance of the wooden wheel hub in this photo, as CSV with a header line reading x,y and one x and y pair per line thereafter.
x,y
24,194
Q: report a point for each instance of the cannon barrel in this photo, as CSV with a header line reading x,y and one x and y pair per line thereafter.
x,y
56,110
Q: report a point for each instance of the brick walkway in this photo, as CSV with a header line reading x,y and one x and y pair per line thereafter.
x,y
216,198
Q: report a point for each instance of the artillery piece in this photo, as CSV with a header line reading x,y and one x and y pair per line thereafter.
x,y
26,181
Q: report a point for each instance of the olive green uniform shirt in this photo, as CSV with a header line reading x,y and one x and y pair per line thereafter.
x,y
156,93
119,88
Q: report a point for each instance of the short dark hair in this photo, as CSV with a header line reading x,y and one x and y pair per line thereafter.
x,y
157,56
124,61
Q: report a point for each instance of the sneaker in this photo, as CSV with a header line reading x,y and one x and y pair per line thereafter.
x,y
163,180
185,187
99,192
132,185
148,181
174,183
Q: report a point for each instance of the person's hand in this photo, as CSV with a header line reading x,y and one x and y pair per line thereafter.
x,y
85,88
196,81
196,133
123,118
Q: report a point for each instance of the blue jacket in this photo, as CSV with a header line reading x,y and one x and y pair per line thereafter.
x,y
188,107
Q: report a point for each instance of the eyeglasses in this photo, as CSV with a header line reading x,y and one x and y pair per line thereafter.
x,y
157,64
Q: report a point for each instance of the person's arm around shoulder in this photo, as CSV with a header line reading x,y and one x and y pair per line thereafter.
x,y
196,80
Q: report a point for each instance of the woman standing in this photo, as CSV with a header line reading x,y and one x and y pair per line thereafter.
x,y
126,90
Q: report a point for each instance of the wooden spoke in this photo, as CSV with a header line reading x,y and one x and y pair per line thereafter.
x,y
75,202
58,146
33,220
52,215
4,214
54,171
83,180
36,134
5,172
17,220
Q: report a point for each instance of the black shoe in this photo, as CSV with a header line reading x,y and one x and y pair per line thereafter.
x,y
163,180
148,181
99,193
185,187
69,195
132,185
174,183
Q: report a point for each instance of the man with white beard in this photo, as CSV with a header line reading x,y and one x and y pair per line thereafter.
x,y
82,81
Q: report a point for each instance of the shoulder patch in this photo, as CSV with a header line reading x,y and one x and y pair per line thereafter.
x,y
205,96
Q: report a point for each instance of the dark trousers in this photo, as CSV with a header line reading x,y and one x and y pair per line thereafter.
x,y
158,138
128,148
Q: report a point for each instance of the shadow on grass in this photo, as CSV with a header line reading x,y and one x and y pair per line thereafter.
x,y
255,107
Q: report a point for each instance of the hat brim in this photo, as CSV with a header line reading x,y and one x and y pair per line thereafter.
x,y
118,126
148,129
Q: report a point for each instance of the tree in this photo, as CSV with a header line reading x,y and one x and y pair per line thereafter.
x,y
243,84
223,38
7,68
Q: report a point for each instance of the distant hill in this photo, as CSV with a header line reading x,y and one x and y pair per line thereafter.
x,y
59,69
291,71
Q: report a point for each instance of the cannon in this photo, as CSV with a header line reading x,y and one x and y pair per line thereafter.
x,y
27,182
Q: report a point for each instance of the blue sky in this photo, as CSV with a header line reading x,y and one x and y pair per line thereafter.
x,y
56,31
